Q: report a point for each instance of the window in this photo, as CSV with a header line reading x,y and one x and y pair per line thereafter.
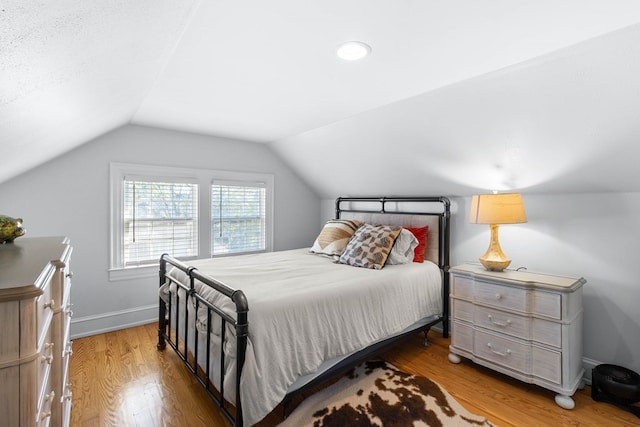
x,y
237,217
159,217
156,210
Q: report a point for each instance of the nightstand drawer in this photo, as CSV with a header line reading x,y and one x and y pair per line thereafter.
x,y
462,336
503,322
462,287
547,304
542,303
505,297
547,364
502,351
462,310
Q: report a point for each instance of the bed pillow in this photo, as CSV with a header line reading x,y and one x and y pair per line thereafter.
x,y
403,248
334,236
370,246
421,234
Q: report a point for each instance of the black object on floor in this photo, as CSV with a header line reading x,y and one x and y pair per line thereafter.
x,y
616,385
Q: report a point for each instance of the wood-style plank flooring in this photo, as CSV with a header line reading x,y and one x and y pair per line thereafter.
x,y
120,379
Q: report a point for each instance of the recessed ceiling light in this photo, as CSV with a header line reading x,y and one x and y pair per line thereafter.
x,y
353,50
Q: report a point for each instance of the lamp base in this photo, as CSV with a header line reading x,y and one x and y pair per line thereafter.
x,y
494,259
494,265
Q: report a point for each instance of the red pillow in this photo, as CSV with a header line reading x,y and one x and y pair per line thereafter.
x,y
421,234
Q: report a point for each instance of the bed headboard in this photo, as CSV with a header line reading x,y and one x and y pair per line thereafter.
x,y
405,211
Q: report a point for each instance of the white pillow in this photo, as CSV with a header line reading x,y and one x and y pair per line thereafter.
x,y
403,248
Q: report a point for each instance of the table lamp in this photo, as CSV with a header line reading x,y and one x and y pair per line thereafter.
x,y
495,209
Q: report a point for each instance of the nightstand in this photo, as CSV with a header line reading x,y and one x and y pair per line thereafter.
x,y
525,325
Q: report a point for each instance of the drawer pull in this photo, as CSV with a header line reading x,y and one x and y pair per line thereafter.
x,y
49,399
498,296
49,304
69,350
502,324
48,348
68,393
47,359
499,353
68,311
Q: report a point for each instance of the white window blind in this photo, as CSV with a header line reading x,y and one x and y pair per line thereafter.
x,y
158,217
238,217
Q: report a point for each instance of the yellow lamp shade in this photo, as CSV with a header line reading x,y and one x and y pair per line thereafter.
x,y
495,209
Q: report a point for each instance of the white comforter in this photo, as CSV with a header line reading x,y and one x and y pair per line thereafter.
x,y
304,309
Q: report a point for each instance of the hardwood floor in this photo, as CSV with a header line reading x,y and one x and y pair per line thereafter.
x,y
120,379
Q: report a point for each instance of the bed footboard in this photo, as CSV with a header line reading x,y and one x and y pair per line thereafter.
x,y
170,329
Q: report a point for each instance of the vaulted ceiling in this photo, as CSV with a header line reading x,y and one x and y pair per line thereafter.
x,y
455,96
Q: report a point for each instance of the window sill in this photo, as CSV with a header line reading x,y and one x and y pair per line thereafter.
x,y
130,273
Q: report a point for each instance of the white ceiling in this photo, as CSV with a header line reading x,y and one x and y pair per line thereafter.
x,y
265,71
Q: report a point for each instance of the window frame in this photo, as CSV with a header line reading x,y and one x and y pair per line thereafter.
x,y
243,184
204,178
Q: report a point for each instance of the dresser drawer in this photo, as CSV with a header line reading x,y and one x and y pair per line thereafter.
x,y
502,351
45,409
66,323
462,336
462,287
547,304
68,351
547,364
462,310
66,406
44,314
44,361
503,322
505,297
528,359
519,326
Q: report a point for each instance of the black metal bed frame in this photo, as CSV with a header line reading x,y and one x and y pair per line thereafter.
x,y
241,322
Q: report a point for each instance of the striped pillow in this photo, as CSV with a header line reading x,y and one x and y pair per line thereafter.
x,y
334,236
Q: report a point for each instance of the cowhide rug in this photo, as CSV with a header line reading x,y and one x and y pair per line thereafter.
x,y
378,394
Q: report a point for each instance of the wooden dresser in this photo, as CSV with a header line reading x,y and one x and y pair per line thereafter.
x,y
525,325
35,314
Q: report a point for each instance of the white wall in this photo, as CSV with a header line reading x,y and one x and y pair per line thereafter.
x,y
596,236
70,196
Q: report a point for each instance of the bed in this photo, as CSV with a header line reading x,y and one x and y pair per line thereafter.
x,y
257,330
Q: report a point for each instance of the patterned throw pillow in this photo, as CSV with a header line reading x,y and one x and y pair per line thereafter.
x,y
370,246
334,236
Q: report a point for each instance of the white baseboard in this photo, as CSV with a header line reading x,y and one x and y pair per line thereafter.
x,y
588,365
113,321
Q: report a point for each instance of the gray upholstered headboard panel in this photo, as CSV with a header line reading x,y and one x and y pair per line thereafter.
x,y
433,236
408,212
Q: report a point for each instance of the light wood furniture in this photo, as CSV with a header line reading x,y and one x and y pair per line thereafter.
x,y
525,325
35,314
